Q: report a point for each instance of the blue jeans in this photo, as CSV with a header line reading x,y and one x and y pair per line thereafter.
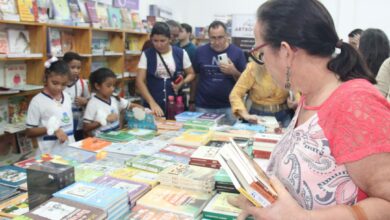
x,y
228,119
283,117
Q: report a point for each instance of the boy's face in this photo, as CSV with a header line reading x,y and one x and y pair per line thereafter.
x,y
183,35
56,83
75,69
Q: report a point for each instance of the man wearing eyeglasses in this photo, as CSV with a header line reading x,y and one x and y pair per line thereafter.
x,y
215,80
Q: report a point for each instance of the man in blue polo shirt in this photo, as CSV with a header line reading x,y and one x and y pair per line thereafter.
x,y
215,80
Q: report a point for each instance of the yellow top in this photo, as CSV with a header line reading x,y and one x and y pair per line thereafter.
x,y
261,87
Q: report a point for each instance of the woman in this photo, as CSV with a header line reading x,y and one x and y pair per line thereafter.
x,y
334,160
266,97
375,48
383,79
160,70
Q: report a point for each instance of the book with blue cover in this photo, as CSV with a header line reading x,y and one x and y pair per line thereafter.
x,y
115,17
187,115
12,176
251,127
93,194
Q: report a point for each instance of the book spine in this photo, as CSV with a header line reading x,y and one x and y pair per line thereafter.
x,y
212,215
267,196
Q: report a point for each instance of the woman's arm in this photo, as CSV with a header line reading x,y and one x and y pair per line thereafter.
x,y
144,92
383,78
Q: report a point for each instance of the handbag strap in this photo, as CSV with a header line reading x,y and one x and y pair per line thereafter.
x,y
165,65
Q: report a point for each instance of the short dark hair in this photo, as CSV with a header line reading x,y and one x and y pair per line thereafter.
x,y
308,25
355,32
186,27
374,47
173,23
161,28
59,67
100,75
69,56
216,24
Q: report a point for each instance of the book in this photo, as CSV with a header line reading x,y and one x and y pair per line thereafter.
x,y
220,208
43,7
28,87
91,144
193,138
248,178
267,137
55,42
17,110
8,10
75,155
87,172
116,136
126,18
3,114
149,163
138,118
100,43
91,10
102,15
25,144
214,117
136,175
75,11
143,213
180,201
142,134
3,43
19,41
251,127
187,115
206,155
67,41
58,208
115,17
172,157
136,147
12,176
7,192
199,124
178,150
15,206
170,125
15,74
28,10
60,10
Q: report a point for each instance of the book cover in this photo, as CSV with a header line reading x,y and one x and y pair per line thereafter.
x,y
57,208
17,109
91,10
15,74
43,7
187,115
117,136
180,201
149,163
206,154
211,117
100,42
136,175
8,10
3,43
137,118
133,189
168,125
15,206
143,213
92,194
220,208
12,176
251,127
115,17
25,144
28,10
91,144
55,42
179,150
136,147
193,138
3,114
172,157
102,15
199,124
67,41
87,173
19,41
133,43
142,134
61,10
75,11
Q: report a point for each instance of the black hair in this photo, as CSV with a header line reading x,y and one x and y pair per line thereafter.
x,y
374,47
57,68
69,56
187,27
173,23
355,32
100,75
308,25
161,28
216,24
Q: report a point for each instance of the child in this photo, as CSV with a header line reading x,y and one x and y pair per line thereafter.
x,y
78,91
49,115
103,109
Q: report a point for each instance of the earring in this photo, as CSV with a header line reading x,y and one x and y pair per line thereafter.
x,y
288,84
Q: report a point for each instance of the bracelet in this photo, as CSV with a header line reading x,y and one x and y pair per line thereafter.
x,y
358,212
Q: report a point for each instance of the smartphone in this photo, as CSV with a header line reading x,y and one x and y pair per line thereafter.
x,y
223,58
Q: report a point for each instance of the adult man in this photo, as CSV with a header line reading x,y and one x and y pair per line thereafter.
x,y
185,42
354,37
215,79
174,28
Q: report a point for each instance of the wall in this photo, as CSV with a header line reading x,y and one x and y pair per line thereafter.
x,y
347,14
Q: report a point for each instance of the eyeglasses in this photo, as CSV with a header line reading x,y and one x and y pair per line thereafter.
x,y
258,58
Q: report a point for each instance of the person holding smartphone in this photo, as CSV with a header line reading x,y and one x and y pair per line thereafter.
x,y
162,70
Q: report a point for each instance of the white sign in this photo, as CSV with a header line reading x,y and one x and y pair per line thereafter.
x,y
242,25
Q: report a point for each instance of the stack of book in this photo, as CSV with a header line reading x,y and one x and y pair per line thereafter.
x,y
213,117
149,163
193,138
220,208
12,176
199,124
205,156
248,178
136,175
143,213
168,125
14,206
180,201
187,115
188,177
58,208
223,183
116,136
112,200
134,189
7,192
264,144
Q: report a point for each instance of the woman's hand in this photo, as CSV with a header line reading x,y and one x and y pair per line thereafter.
x,y
61,136
253,119
285,207
156,109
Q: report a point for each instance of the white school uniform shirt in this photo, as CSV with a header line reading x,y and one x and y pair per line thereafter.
x,y
78,88
96,104
42,107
